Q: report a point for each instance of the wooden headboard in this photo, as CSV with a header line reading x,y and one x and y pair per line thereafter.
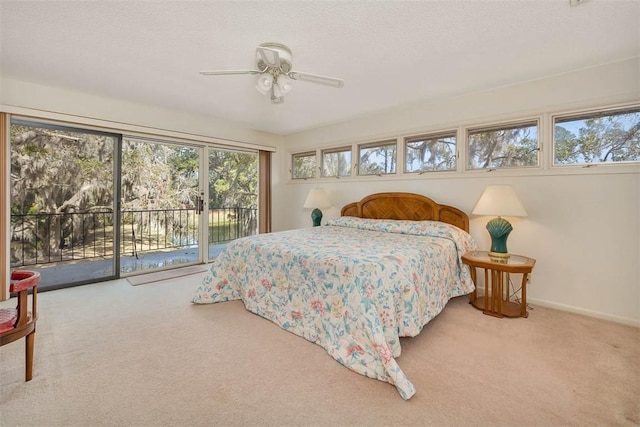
x,y
409,206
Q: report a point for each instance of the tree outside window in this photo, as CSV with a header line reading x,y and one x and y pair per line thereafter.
x,y
430,153
605,137
508,146
304,165
336,162
377,159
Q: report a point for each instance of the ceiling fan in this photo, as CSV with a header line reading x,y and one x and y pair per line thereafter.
x,y
273,62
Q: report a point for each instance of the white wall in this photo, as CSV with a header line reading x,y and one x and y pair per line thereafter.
x,y
583,228
47,101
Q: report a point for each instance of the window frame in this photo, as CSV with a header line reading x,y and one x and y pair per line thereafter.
x,y
543,119
381,143
585,115
504,125
313,154
337,150
430,136
263,169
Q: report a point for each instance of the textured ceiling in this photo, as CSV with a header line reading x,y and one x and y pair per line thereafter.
x,y
391,54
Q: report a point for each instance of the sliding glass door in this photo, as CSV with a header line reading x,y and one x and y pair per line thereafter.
x,y
172,214
88,206
161,205
63,190
232,197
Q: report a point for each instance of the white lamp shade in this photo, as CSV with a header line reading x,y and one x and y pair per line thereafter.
x,y
499,200
265,82
317,198
285,84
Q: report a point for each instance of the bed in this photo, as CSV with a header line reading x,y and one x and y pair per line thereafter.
x,y
381,271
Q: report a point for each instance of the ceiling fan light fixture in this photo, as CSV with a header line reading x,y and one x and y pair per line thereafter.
x,y
285,84
276,95
265,83
275,75
276,90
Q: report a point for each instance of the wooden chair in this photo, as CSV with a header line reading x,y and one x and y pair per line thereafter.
x,y
19,322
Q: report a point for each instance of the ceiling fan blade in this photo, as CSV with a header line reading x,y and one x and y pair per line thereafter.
x,y
316,78
271,57
228,72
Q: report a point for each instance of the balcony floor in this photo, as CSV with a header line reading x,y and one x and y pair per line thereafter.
x,y
89,271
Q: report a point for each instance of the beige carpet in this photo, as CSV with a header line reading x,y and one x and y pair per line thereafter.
x,y
165,275
111,354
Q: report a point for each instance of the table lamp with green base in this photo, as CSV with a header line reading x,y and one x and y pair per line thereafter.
x,y
317,199
499,200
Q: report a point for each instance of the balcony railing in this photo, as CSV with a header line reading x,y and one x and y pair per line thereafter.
x,y
42,238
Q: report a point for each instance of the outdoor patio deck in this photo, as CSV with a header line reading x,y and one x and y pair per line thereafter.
x,y
56,275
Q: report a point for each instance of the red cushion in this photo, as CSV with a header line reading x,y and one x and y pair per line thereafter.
x,y
8,317
21,280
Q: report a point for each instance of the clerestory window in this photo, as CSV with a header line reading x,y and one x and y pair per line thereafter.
x,y
597,137
430,153
513,145
303,165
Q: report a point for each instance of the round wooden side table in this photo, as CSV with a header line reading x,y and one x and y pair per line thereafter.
x,y
496,300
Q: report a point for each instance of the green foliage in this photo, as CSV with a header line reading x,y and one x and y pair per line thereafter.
x,y
611,138
431,154
33,210
304,166
158,176
60,172
377,160
503,148
233,179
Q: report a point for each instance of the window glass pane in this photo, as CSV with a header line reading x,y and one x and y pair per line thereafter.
x,y
159,205
336,162
232,211
377,159
62,194
509,146
430,153
597,138
304,166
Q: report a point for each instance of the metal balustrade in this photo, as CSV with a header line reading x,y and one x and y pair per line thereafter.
x,y
43,238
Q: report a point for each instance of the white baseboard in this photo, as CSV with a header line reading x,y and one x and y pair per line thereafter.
x,y
577,310
590,313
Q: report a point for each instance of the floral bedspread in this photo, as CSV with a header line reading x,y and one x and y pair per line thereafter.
x,y
354,286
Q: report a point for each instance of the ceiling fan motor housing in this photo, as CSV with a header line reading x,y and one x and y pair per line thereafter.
x,y
284,53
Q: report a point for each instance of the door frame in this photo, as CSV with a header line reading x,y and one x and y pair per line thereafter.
x,y
117,149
